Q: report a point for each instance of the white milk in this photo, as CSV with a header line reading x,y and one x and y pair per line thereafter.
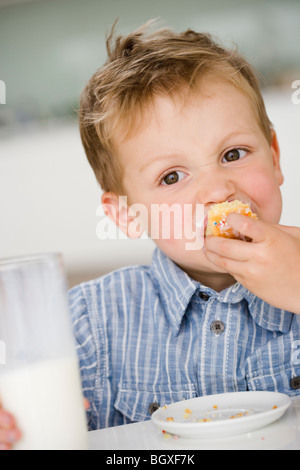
x,y
47,402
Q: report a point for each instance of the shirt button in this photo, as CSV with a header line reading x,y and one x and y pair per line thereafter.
x,y
203,296
295,383
217,327
153,407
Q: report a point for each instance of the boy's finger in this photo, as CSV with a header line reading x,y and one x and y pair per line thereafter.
x,y
229,265
8,438
7,420
293,231
4,446
228,248
86,404
251,228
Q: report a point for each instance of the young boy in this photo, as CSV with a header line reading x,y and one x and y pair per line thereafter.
x,y
177,120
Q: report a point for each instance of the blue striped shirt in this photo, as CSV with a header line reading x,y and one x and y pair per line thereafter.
x,y
151,334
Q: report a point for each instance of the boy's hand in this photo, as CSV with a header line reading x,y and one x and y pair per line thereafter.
x,y
9,433
269,266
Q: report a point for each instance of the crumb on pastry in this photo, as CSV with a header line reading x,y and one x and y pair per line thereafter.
x,y
217,225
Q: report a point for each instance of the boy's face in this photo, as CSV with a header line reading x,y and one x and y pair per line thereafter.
x,y
207,150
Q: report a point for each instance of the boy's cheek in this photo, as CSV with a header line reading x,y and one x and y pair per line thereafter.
x,y
176,225
165,222
263,190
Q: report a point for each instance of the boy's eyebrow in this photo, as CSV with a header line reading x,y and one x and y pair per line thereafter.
x,y
240,133
247,132
154,160
236,133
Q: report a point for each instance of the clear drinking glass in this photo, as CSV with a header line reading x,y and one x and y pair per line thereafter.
x,y
39,374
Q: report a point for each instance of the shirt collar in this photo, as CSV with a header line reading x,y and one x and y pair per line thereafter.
x,y
176,288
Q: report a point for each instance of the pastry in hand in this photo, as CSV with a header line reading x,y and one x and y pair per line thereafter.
x,y
217,225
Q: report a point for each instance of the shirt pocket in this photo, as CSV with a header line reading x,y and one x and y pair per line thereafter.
x,y
137,403
282,378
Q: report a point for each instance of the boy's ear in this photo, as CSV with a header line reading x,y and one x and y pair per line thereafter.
x,y
118,211
276,157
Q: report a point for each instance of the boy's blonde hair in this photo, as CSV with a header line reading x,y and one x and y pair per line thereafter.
x,y
141,66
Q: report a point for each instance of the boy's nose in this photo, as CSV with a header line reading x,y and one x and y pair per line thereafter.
x,y
215,187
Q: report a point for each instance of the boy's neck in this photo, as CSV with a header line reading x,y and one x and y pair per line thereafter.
x,y
216,281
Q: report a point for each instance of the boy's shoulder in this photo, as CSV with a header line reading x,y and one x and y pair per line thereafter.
x,y
125,274
115,287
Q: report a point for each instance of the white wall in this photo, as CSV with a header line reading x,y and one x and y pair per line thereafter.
x,y
49,199
285,116
49,196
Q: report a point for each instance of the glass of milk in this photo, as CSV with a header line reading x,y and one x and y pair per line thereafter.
x,y
39,373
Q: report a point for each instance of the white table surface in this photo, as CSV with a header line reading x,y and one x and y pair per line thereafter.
x,y
283,434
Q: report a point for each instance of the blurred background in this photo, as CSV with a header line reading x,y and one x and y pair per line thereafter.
x,y
49,198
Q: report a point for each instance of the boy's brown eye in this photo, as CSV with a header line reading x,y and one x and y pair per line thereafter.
x,y
171,178
234,154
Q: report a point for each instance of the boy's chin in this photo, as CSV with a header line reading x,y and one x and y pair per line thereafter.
x,y
191,261
196,261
